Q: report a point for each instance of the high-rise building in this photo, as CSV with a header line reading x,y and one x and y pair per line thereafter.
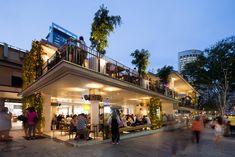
x,y
187,56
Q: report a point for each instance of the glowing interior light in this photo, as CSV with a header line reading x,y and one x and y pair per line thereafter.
x,y
94,85
110,89
145,98
76,89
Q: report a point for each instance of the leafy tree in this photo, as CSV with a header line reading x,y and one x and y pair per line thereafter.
x,y
164,73
141,61
103,24
214,72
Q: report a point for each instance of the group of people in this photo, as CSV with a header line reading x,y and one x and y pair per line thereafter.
x,y
133,120
29,119
118,120
76,123
5,124
216,124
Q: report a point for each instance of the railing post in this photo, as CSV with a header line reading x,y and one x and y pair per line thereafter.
x,y
76,55
67,53
98,62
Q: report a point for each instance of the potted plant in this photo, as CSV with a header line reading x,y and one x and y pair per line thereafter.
x,y
140,60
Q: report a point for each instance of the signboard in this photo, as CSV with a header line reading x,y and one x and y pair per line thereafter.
x,y
59,35
93,97
55,104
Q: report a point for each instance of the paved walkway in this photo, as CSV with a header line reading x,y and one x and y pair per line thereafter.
x,y
163,144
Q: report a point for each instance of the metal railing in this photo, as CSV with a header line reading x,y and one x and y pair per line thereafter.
x,y
90,59
13,47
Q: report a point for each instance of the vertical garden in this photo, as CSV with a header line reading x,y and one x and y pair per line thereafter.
x,y
154,105
32,69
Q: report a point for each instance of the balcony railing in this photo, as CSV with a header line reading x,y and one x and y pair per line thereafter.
x,y
90,59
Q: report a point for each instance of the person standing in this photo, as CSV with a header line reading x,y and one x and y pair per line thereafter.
x,y
196,129
25,122
32,118
5,123
82,53
218,130
114,122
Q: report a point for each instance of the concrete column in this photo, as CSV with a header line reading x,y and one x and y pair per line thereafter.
x,y
47,112
94,112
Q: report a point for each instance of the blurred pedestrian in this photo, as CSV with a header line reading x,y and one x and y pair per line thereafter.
x,y
32,118
114,122
25,122
187,121
196,129
5,123
218,130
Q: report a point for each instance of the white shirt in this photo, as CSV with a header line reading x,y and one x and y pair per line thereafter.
x,y
218,129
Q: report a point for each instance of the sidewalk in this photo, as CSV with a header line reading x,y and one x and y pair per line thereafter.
x,y
153,143
18,135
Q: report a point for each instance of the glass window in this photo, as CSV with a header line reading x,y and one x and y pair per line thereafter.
x,y
16,81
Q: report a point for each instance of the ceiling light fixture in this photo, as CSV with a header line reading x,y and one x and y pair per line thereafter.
x,y
145,98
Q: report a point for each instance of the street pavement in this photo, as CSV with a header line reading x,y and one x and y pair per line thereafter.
x,y
163,144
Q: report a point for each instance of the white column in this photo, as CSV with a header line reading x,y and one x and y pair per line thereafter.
x,y
47,112
94,112
167,107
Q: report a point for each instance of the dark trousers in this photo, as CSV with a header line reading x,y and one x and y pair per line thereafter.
x,y
32,128
196,134
115,134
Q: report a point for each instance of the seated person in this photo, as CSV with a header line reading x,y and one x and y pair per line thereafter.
x,y
130,120
147,120
123,120
138,120
73,123
81,127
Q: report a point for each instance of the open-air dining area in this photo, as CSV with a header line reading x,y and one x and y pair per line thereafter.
x,y
92,60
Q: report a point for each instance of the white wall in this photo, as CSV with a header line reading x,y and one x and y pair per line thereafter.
x,y
47,112
167,107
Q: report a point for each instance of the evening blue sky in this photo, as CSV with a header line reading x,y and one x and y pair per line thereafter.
x,y
164,27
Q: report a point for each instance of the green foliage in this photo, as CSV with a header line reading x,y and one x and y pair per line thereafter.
x,y
153,106
32,64
32,69
103,24
141,61
212,74
164,73
197,73
35,100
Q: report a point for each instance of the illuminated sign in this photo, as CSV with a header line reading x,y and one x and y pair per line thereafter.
x,y
58,35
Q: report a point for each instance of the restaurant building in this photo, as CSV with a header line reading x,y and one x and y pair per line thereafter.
x,y
11,59
76,79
